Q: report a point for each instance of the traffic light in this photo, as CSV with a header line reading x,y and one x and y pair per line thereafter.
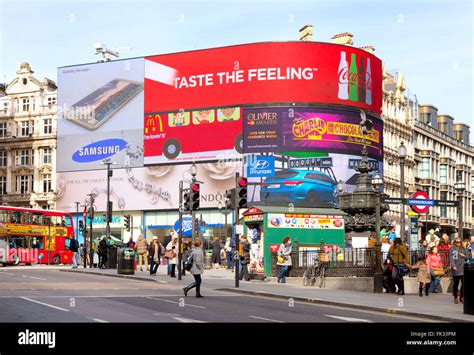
x,y
81,227
230,199
108,218
241,192
126,222
196,227
187,200
195,197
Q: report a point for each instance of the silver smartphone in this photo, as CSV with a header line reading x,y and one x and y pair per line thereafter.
x,y
95,109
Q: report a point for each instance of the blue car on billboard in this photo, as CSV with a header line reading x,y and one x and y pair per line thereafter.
x,y
300,187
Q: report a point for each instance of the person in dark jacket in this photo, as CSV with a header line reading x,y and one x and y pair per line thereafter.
x,y
188,247
103,252
388,283
457,257
216,251
130,244
154,255
399,256
197,269
74,247
244,258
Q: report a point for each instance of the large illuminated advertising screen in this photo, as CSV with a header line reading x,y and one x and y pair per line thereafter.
x,y
312,149
100,108
186,93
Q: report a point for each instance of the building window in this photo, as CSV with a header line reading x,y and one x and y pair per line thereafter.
x,y
459,175
25,128
3,158
5,108
443,174
23,157
46,155
46,182
25,104
48,126
3,129
444,209
425,171
24,183
51,102
472,187
3,185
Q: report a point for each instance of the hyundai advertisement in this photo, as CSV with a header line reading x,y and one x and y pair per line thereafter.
x,y
100,109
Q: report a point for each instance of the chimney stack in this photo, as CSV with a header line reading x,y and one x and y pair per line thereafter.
x,y
306,33
344,38
369,49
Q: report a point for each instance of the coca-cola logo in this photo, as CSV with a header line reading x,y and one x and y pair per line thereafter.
x,y
364,79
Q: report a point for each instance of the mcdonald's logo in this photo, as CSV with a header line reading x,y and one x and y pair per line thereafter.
x,y
150,125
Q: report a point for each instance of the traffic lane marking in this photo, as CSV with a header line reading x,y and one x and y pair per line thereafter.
x,y
46,304
175,302
37,278
188,320
349,319
267,319
6,273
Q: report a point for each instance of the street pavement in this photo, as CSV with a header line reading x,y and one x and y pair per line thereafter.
x,y
42,294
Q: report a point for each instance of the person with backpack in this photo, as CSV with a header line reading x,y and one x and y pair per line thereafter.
x,y
142,251
74,247
155,253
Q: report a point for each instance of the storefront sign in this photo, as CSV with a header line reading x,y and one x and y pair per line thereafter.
x,y
253,217
187,227
305,221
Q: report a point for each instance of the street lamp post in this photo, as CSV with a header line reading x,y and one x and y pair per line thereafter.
x,y
460,188
402,153
108,214
377,183
77,219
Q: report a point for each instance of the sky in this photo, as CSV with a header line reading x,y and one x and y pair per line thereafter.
x,y
431,42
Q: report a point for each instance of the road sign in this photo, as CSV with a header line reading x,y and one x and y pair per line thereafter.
x,y
446,203
393,200
420,202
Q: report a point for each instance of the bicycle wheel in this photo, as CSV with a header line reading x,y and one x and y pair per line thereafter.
x,y
322,273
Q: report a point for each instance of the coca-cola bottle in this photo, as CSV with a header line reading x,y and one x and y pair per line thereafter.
x,y
361,78
368,84
343,73
353,80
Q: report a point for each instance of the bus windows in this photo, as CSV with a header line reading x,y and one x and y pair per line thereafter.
x,y
16,217
37,219
17,242
46,220
56,221
4,216
36,242
228,114
178,119
203,116
67,221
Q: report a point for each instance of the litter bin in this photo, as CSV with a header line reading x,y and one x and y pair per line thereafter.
x,y
126,261
207,259
468,288
112,257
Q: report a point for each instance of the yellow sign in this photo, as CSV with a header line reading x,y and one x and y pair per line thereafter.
x,y
412,214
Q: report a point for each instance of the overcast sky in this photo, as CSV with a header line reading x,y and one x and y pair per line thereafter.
x,y
429,41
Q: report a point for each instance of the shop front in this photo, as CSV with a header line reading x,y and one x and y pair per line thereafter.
x,y
266,226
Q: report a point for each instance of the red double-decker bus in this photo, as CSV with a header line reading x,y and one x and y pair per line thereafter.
x,y
34,236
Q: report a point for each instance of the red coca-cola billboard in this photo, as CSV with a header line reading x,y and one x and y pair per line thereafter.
x,y
300,72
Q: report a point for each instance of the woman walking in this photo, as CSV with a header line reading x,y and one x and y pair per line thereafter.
x,y
458,255
216,253
435,266
244,258
196,258
284,259
154,255
188,247
172,255
399,257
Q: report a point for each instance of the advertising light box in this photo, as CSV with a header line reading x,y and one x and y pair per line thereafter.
x,y
100,110
186,93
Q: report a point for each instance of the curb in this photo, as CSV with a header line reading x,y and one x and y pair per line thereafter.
x,y
347,305
110,275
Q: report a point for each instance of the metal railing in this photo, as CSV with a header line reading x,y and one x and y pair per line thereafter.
x,y
349,262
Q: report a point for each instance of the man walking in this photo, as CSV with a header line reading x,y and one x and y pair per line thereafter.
x,y
142,251
74,247
103,253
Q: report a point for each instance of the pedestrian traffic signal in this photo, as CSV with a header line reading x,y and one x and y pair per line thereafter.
x,y
230,199
81,226
196,227
241,192
126,222
109,212
195,196
187,200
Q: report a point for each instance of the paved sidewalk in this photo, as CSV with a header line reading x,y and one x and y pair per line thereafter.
x,y
438,307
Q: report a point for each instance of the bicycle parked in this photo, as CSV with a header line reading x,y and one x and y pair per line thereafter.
x,y
316,273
